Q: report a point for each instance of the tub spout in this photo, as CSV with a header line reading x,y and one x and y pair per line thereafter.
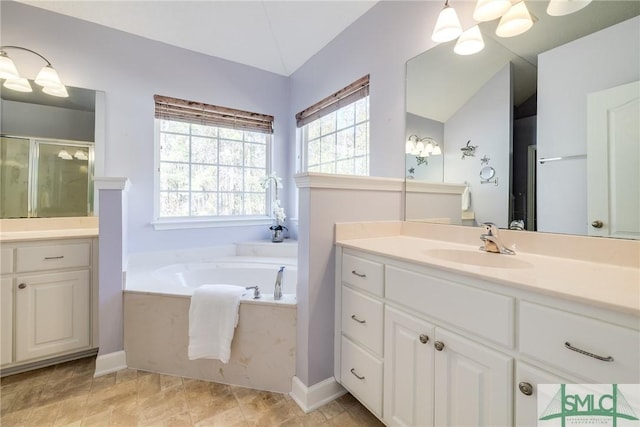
x,y
277,289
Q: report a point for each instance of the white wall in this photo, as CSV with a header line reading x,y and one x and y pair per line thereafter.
x,y
485,120
566,75
130,70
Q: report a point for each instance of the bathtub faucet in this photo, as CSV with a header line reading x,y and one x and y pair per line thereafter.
x,y
256,291
277,289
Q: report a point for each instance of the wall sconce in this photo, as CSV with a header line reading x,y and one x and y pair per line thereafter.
x,y
422,147
47,77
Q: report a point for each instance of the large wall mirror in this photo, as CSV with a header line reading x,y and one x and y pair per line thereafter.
x,y
538,112
48,150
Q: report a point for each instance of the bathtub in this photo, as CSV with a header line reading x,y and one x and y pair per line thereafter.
x,y
156,316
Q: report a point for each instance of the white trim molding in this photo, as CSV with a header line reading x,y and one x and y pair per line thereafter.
x,y
112,183
311,398
414,186
111,362
348,182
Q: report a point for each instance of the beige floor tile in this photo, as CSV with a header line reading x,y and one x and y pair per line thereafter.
x,y
45,415
161,406
230,418
168,381
102,382
313,419
71,410
204,408
331,409
271,416
126,375
100,419
148,385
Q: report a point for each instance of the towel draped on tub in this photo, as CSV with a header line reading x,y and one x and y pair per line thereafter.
x,y
213,316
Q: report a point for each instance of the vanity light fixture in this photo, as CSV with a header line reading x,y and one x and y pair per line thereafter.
x,y
447,26
80,155
422,147
47,77
469,42
565,7
488,10
64,155
516,21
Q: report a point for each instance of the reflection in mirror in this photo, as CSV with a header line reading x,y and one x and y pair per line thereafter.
x,y
523,102
487,172
47,154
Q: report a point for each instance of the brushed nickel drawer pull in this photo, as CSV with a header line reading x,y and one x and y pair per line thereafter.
x,y
358,274
586,353
54,257
353,316
353,371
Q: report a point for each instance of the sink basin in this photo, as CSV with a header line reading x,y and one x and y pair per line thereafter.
x,y
478,258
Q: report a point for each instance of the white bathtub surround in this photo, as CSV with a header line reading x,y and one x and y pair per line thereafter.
x,y
213,316
108,363
157,300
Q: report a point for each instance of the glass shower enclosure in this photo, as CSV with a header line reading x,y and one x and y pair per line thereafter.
x,y
45,178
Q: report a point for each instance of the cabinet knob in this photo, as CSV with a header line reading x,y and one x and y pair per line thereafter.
x,y
22,285
526,388
597,224
424,338
439,345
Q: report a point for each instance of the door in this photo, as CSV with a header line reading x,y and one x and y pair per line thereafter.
x,y
613,162
52,314
6,319
526,388
408,370
473,384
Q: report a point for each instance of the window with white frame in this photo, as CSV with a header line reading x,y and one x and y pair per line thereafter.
x,y
211,161
335,132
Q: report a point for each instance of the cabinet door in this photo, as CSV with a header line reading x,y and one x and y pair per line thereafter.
x,y
52,314
408,370
527,395
473,384
6,319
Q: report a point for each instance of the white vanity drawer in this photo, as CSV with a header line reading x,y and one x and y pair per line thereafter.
x,y
363,274
362,375
362,319
6,260
546,334
49,257
483,313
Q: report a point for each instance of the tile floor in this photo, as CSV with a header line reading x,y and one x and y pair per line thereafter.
x,y
68,395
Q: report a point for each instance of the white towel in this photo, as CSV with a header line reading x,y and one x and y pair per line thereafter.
x,y
213,316
466,199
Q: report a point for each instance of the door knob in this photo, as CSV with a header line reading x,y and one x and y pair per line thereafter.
x,y
526,388
597,224
439,345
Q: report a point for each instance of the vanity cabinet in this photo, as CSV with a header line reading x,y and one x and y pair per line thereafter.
x,y
48,293
457,350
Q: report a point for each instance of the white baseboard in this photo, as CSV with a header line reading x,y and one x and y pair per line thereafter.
x,y
310,398
111,362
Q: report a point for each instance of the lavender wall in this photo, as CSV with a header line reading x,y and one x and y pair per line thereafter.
x,y
130,70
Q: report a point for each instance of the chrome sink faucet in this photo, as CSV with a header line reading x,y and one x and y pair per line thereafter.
x,y
491,240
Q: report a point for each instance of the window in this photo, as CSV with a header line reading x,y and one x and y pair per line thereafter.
x,y
335,132
210,161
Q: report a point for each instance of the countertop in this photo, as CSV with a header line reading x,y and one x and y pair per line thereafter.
x,y
21,236
27,229
609,286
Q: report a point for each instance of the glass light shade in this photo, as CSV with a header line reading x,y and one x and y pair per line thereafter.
x,y
419,146
429,147
447,27
59,91
409,147
80,155
19,84
64,154
487,10
565,7
436,151
8,69
470,42
48,77
516,21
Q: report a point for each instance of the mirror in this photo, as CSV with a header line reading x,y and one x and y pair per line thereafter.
x,y
48,152
522,103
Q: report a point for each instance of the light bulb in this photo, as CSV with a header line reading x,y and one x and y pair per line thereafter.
x,y
470,42
516,21
448,25
488,10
